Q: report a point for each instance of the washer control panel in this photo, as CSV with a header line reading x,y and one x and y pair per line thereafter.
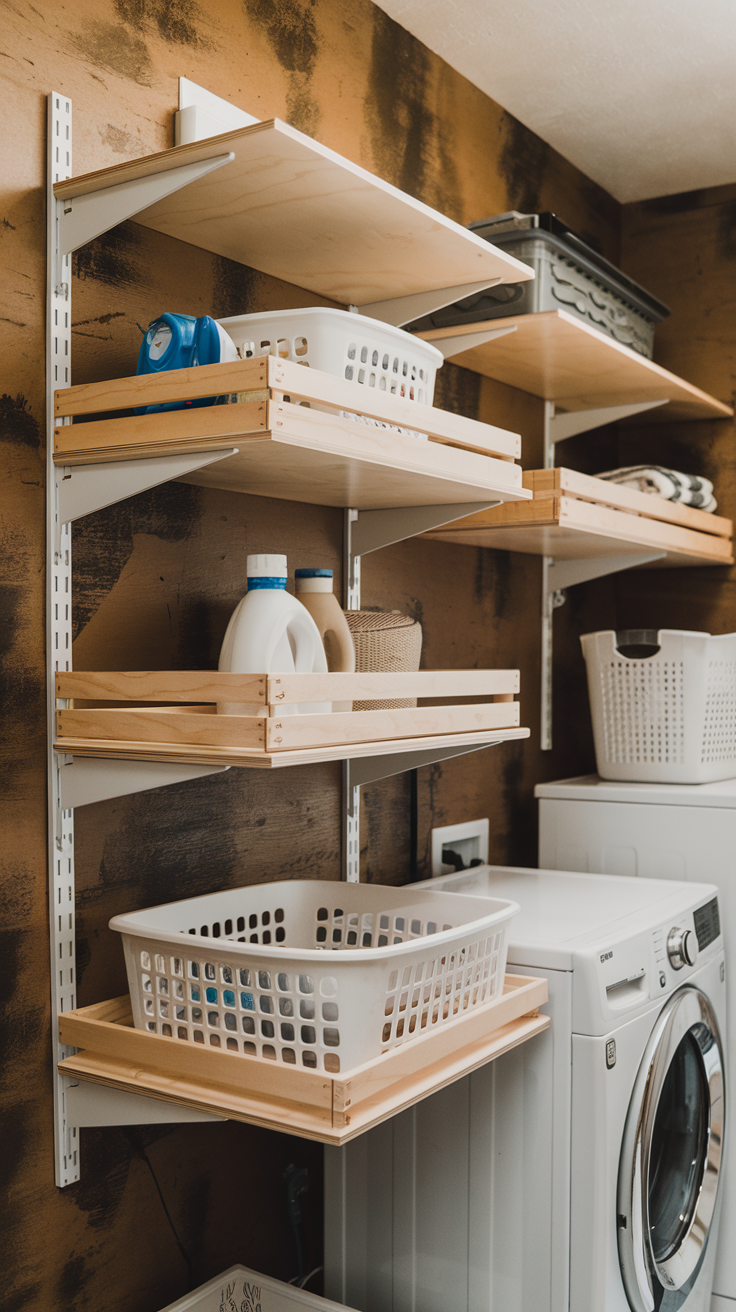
x,y
682,948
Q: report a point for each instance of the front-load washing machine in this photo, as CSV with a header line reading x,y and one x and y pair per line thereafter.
x,y
581,1171
658,831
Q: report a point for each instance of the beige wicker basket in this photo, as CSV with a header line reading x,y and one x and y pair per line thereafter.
x,y
384,640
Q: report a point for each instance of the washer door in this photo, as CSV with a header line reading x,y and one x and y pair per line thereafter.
x,y
670,1162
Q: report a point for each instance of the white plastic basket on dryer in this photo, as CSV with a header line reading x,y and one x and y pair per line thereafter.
x,y
663,704
313,973
242,1290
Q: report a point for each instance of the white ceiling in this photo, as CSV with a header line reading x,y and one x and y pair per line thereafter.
x,y
639,94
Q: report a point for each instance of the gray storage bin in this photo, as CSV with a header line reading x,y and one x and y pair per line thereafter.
x,y
569,275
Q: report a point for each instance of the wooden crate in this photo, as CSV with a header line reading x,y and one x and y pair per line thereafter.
x,y
329,1108
292,441
575,516
185,720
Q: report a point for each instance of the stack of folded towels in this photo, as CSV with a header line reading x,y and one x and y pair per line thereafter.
x,y
668,483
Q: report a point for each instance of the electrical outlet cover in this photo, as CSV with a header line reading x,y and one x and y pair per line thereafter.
x,y
469,839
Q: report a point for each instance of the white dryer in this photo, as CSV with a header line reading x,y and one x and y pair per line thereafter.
x,y
584,1175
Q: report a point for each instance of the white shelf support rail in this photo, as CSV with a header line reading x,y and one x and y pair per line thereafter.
x,y
365,531
58,545
558,427
78,491
82,489
557,577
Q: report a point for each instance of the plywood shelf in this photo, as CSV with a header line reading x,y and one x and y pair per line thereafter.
x,y
183,723
331,1109
293,442
555,356
576,517
292,208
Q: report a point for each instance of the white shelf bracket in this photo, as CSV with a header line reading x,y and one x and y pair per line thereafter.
x,y
558,427
83,218
405,309
452,346
97,1104
82,489
86,779
557,576
367,769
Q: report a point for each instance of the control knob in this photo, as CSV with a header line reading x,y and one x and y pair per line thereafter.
x,y
681,948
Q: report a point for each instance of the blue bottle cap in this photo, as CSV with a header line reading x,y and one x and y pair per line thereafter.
x,y
313,573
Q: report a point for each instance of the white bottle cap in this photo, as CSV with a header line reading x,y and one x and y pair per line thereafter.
x,y
262,567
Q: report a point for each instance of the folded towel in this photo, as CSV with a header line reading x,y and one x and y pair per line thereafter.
x,y
667,483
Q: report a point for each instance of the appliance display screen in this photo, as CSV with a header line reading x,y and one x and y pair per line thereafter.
x,y
707,923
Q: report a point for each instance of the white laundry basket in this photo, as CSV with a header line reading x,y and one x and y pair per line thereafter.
x,y
312,973
242,1290
364,351
663,704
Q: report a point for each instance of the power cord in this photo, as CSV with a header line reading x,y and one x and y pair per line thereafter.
x,y
136,1144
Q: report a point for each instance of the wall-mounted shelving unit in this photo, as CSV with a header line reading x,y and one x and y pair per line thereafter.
x,y
586,379
273,198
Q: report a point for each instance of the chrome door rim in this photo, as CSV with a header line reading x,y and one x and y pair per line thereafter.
x,y
688,1011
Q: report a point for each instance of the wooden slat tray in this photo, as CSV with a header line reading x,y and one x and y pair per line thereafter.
x,y
575,517
556,356
287,449
186,725
314,1105
288,206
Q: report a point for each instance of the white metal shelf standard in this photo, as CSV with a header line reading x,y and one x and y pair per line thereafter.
x,y
70,494
558,576
366,531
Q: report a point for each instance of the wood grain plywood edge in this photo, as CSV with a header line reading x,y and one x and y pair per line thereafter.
x,y
557,357
144,751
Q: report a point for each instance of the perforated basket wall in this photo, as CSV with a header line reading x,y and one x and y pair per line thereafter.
x,y
242,1290
384,640
665,718
351,346
311,973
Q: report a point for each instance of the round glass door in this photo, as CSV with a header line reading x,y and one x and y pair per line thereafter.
x,y
670,1158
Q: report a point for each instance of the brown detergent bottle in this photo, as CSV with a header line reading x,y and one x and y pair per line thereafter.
x,y
314,590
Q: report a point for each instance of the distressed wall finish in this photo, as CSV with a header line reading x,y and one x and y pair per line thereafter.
x,y
156,577
684,249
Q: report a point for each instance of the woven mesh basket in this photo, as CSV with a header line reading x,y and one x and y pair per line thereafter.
x,y
384,640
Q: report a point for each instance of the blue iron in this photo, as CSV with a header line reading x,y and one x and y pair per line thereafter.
x,y
177,341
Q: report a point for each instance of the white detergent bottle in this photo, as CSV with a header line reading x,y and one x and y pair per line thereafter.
x,y
270,632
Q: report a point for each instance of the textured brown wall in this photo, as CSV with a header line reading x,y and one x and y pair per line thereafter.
x,y
684,248
157,576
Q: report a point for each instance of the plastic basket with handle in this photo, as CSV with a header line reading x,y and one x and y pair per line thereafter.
x,y
242,1290
312,973
663,704
363,351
